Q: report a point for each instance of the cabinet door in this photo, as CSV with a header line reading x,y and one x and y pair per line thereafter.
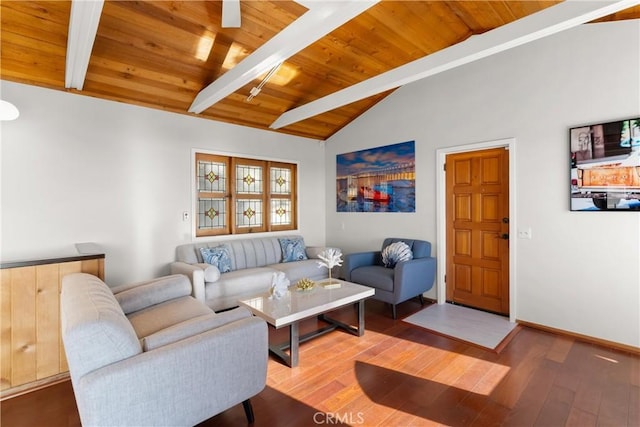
x,y
32,350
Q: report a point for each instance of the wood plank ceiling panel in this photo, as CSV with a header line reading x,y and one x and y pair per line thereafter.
x,y
33,42
160,54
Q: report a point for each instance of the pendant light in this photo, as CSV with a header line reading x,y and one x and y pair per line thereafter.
x,y
8,111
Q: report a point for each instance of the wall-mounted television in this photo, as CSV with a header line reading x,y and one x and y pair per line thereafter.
x,y
605,166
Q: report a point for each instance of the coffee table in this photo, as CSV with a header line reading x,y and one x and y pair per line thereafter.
x,y
297,305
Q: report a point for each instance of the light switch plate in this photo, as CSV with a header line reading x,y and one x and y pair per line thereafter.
x,y
524,233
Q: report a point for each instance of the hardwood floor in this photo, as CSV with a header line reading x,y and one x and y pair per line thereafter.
x,y
400,375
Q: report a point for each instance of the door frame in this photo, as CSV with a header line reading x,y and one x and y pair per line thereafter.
x,y
441,215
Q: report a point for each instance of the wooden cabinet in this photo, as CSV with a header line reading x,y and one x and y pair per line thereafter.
x,y
31,353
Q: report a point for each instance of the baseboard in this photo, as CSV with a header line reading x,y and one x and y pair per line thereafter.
x,y
33,386
604,343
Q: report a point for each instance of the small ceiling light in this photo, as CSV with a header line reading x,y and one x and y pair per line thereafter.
x,y
8,111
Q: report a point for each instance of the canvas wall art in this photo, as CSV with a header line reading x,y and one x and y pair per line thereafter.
x,y
380,179
605,166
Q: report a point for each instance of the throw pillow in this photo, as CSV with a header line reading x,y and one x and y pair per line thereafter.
x,y
395,253
292,249
218,256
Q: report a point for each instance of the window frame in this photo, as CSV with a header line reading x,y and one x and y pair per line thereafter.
x,y
231,195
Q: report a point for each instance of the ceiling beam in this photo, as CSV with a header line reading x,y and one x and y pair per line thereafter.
x,y
83,27
318,21
551,20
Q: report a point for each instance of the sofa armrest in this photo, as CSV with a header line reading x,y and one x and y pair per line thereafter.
x,y
313,251
358,259
183,383
192,327
198,275
152,292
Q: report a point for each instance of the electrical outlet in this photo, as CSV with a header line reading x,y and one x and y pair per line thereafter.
x,y
185,216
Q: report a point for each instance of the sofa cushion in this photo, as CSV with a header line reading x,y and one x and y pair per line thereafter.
x,y
192,327
308,268
237,284
160,316
217,256
255,252
91,314
292,249
156,292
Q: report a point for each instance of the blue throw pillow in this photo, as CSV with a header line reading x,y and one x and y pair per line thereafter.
x,y
292,249
218,256
395,253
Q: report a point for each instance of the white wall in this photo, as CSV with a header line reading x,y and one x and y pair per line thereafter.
x,y
79,169
580,271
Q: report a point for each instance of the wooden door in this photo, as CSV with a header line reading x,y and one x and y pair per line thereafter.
x,y
477,194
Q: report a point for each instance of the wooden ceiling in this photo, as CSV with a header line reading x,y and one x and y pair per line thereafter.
x,y
161,54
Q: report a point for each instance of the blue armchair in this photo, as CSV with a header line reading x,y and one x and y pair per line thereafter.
x,y
406,280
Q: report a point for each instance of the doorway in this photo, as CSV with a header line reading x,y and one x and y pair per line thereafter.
x,y
477,188
475,222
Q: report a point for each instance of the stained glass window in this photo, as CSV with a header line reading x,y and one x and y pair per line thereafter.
x,y
212,180
282,192
240,195
212,176
248,179
249,213
280,180
211,213
280,212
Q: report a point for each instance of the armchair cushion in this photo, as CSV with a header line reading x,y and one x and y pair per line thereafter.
x,y
151,293
161,316
376,276
192,327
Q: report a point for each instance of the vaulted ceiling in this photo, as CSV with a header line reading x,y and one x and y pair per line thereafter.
x,y
176,56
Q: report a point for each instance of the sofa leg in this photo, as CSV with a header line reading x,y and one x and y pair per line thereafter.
x,y
248,410
394,314
421,299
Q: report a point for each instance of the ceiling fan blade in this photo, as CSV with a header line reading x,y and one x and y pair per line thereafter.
x,y
230,13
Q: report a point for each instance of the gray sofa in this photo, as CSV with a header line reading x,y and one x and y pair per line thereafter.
x,y
150,354
253,262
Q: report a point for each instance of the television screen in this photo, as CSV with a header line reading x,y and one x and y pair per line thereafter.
x,y
605,166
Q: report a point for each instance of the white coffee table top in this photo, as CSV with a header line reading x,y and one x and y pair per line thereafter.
x,y
297,305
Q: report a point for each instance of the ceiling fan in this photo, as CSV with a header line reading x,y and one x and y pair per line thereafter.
x,y
230,13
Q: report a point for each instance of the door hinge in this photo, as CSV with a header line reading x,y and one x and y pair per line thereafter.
x,y
444,167
445,278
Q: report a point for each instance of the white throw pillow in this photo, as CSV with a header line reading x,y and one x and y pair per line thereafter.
x,y
395,253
